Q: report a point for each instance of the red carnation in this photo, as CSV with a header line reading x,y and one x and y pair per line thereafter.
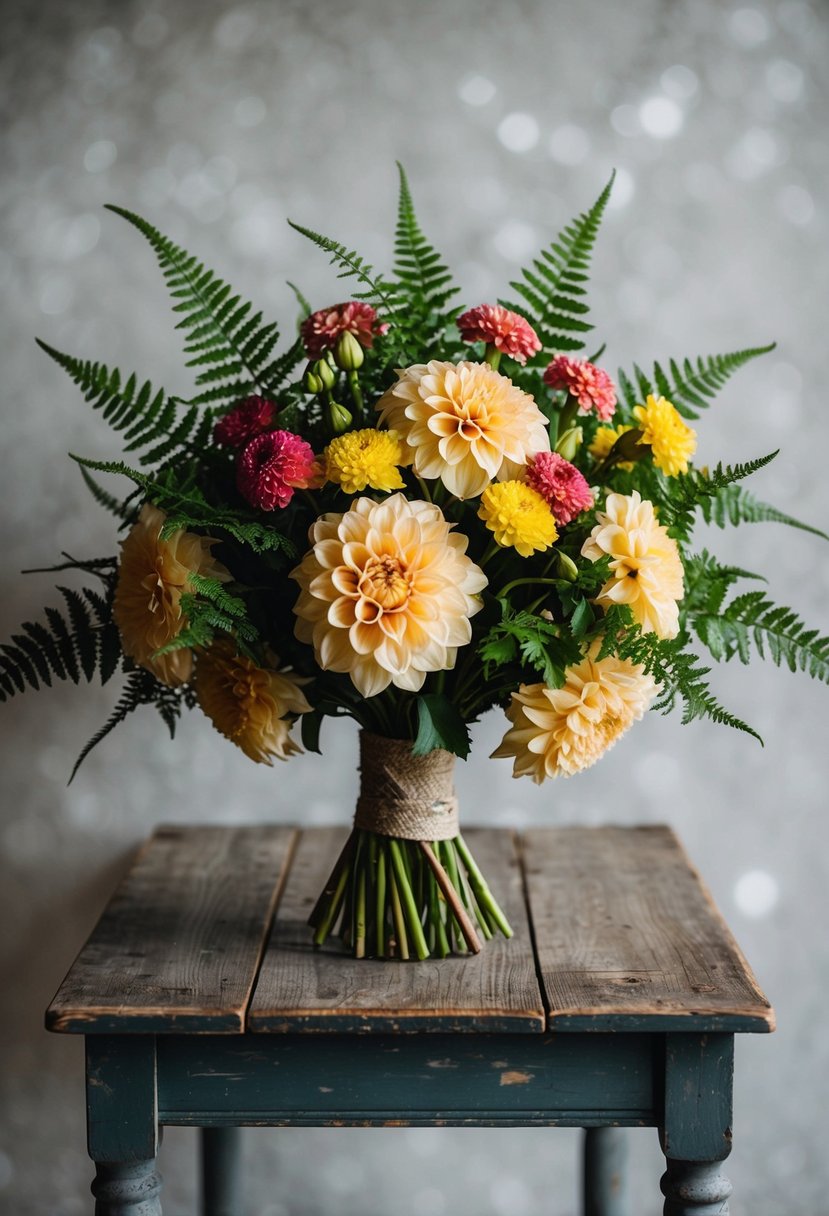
x,y
322,329
250,417
590,385
560,484
498,327
272,466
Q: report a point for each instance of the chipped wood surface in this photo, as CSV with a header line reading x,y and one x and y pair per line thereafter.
x,y
300,988
628,937
179,945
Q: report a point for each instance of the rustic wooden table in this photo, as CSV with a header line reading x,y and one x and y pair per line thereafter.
x,y
615,1005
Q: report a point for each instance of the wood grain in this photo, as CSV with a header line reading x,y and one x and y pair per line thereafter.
x,y
303,989
179,944
628,938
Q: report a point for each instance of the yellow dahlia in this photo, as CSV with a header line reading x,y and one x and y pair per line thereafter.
x,y
671,441
247,704
464,423
604,440
645,563
386,593
153,574
365,458
517,515
560,731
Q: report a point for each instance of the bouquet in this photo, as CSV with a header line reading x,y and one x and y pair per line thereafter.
x,y
411,514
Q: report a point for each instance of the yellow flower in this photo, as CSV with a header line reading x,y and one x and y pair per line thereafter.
x,y
604,440
560,731
153,574
463,423
247,704
645,563
671,441
365,458
386,593
517,515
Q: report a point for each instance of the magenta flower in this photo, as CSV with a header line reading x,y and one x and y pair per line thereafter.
x,y
498,327
590,385
560,484
250,417
321,331
271,466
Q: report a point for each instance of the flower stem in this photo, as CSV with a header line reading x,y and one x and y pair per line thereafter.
x,y
527,582
397,911
479,886
404,889
380,899
356,395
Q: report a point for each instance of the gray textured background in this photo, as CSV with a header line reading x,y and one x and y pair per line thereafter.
x,y
217,122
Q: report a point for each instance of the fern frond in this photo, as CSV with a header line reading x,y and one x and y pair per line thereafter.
x,y
775,631
734,504
423,281
146,416
690,385
186,507
680,497
75,643
224,336
553,291
209,609
142,688
377,290
707,583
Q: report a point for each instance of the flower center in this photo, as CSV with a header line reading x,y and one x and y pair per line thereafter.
x,y
385,582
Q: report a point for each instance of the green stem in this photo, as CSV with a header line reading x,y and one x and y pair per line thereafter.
x,y
360,915
492,356
356,395
380,900
330,915
479,886
493,548
404,889
448,858
527,582
399,919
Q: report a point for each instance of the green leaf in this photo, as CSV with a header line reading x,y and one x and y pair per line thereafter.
x,y
310,726
439,725
689,386
582,619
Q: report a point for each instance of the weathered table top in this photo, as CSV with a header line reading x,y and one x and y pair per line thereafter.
x,y
207,933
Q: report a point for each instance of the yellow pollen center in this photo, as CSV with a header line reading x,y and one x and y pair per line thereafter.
x,y
385,582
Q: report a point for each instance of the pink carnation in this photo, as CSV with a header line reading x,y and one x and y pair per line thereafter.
x,y
498,327
560,484
272,466
591,386
321,330
250,417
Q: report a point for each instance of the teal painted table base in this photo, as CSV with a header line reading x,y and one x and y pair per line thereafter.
x,y
615,1005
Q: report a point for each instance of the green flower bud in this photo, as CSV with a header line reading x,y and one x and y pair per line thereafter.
x,y
326,373
339,418
348,353
311,381
566,568
570,442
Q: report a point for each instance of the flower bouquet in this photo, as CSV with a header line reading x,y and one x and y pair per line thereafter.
x,y
413,513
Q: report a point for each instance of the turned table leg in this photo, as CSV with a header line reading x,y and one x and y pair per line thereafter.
x,y
605,1155
122,1124
696,1129
221,1149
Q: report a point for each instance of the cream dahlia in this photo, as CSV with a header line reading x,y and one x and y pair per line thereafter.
x,y
386,593
644,561
463,423
560,731
153,574
247,704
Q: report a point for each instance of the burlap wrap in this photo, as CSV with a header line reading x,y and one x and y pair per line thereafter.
x,y
411,797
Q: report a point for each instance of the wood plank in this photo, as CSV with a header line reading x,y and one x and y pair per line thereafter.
x,y
179,944
628,938
303,989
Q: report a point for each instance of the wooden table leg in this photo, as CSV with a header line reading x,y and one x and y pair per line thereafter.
x,y
221,1174
696,1130
605,1156
122,1124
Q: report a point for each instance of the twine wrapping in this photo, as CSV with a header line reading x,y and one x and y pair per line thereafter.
x,y
409,797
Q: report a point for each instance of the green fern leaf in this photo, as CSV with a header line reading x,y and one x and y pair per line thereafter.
x,y
775,631
223,334
690,386
733,504
553,291
377,291
142,688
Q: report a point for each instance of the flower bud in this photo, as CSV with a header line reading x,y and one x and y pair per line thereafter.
x,y
570,442
338,417
566,568
312,383
348,353
326,373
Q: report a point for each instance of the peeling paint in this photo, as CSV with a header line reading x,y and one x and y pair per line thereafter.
x,y
441,1064
513,1077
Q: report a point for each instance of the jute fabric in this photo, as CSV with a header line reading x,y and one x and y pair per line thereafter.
x,y
410,797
